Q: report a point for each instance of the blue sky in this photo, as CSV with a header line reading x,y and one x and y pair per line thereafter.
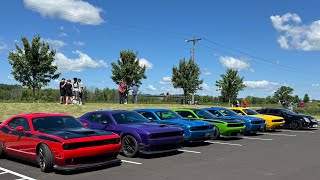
x,y
271,43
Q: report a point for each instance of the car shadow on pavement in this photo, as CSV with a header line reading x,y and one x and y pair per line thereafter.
x,y
195,144
87,170
21,161
160,155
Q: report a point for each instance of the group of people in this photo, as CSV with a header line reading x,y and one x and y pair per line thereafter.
x,y
236,103
71,92
124,89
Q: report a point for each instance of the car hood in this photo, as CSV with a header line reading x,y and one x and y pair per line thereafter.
x,y
304,116
73,133
245,118
267,117
224,120
150,127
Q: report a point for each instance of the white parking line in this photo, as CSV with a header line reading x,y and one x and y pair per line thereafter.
x,y
183,150
131,162
3,173
277,134
16,174
297,131
255,138
216,142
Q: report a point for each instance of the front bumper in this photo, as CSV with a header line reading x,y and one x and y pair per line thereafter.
x,y
161,145
199,135
87,166
274,125
232,132
312,124
254,128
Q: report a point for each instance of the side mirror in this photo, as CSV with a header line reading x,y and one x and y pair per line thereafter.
x,y
85,124
150,118
19,128
104,122
190,117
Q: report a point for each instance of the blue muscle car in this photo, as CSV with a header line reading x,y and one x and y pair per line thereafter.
x,y
194,130
253,125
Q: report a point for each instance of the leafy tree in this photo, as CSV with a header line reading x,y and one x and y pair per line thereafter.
x,y
186,76
230,85
271,100
306,98
128,68
33,65
283,93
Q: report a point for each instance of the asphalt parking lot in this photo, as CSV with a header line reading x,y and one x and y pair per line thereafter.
x,y
284,154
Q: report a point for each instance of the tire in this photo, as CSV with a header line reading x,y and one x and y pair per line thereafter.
x,y
216,134
45,158
1,150
129,146
296,125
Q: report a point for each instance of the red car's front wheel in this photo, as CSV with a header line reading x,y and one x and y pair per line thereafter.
x,y
45,158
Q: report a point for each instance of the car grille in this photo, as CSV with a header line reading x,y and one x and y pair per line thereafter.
x,y
235,125
90,159
201,128
257,122
71,146
166,134
278,120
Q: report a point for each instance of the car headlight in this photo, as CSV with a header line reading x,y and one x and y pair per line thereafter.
x,y
306,119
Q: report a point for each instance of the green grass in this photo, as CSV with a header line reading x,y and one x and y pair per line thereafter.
x,y
9,109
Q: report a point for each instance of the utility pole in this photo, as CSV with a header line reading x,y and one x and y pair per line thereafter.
x,y
193,41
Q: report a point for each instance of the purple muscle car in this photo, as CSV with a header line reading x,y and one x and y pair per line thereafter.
x,y
138,134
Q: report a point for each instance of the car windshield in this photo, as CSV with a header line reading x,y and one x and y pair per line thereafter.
x,y
55,123
129,118
163,115
227,112
288,112
250,112
204,114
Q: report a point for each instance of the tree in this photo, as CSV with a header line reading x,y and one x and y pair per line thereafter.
x,y
186,76
128,68
230,85
306,98
33,65
283,93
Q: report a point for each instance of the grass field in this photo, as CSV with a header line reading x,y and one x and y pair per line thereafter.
x,y
9,109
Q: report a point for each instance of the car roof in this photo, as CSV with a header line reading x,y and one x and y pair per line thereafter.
x,y
217,108
33,115
153,109
187,109
112,111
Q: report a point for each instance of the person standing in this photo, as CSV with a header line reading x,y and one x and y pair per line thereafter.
x,y
244,103
75,88
125,93
135,90
68,87
62,91
81,88
121,91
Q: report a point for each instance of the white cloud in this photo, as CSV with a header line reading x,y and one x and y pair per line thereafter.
x,y
3,46
171,90
315,85
206,72
56,44
10,77
166,80
16,41
151,88
78,43
82,63
260,84
294,34
63,34
205,87
144,62
234,63
76,11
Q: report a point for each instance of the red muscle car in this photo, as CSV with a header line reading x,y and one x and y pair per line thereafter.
x,y
57,141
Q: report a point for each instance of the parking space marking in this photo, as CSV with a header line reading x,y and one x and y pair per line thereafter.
x,y
216,142
16,174
277,134
298,131
183,150
131,162
255,138
3,173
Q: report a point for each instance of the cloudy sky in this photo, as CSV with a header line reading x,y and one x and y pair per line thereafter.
x,y
271,43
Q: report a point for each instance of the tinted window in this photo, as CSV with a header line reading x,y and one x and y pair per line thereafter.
x,y
227,112
250,112
287,111
238,112
186,114
168,115
91,117
203,114
274,111
148,115
215,113
55,123
129,118
19,122
102,117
